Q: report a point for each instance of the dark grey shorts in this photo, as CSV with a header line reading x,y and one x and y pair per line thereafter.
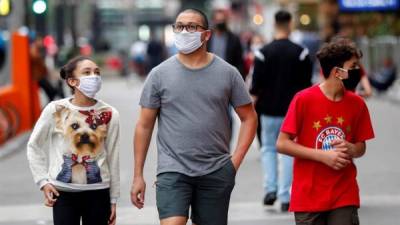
x,y
341,216
208,196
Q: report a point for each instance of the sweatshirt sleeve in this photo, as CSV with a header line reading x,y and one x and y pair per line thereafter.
x,y
112,144
37,148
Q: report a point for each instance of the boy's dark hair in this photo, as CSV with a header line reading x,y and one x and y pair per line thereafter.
x,y
335,54
283,18
200,13
67,71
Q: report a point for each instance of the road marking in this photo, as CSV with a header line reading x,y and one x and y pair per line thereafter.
x,y
242,211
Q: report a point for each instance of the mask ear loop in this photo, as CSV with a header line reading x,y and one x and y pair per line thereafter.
x,y
337,72
340,77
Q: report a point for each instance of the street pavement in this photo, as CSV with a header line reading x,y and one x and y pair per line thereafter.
x,y
378,173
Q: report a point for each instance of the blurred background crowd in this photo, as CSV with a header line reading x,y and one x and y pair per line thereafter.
x,y
132,36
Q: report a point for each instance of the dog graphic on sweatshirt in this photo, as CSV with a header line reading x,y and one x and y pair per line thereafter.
x,y
84,133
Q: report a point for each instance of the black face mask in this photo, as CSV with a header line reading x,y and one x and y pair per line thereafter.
x,y
221,26
353,80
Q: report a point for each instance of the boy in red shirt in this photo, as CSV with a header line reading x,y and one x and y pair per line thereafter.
x,y
324,129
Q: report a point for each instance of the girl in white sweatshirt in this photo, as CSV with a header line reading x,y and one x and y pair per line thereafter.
x,y
73,151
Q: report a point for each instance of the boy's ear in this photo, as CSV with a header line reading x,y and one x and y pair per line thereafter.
x,y
334,72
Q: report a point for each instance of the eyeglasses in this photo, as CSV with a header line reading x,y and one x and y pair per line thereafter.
x,y
191,28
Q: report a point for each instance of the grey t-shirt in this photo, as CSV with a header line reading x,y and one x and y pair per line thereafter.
x,y
193,122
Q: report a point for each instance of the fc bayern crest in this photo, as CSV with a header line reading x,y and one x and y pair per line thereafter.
x,y
326,136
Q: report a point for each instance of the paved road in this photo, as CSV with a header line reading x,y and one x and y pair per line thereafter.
x,y
378,174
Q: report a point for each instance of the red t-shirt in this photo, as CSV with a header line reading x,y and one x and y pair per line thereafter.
x,y
315,121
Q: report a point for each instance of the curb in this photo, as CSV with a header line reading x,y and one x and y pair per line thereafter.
x,y
15,144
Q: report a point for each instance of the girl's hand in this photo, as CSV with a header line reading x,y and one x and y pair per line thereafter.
x,y
113,215
50,192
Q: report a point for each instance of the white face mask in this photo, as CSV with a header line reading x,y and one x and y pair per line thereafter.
x,y
187,42
89,85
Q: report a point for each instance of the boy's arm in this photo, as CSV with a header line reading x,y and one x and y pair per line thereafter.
x,y
335,159
354,150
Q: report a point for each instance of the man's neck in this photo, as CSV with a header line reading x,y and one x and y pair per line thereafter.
x,y
333,89
281,34
195,60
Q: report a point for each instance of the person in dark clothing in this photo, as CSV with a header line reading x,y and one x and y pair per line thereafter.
x,y
3,52
281,69
155,53
385,77
224,43
40,72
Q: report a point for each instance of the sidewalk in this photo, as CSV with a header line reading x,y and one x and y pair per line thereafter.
x,y
17,143
377,210
378,173
393,93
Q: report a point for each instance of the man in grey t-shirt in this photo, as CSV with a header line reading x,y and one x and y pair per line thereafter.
x,y
190,94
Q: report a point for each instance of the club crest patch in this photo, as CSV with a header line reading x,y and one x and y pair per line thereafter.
x,y
327,135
